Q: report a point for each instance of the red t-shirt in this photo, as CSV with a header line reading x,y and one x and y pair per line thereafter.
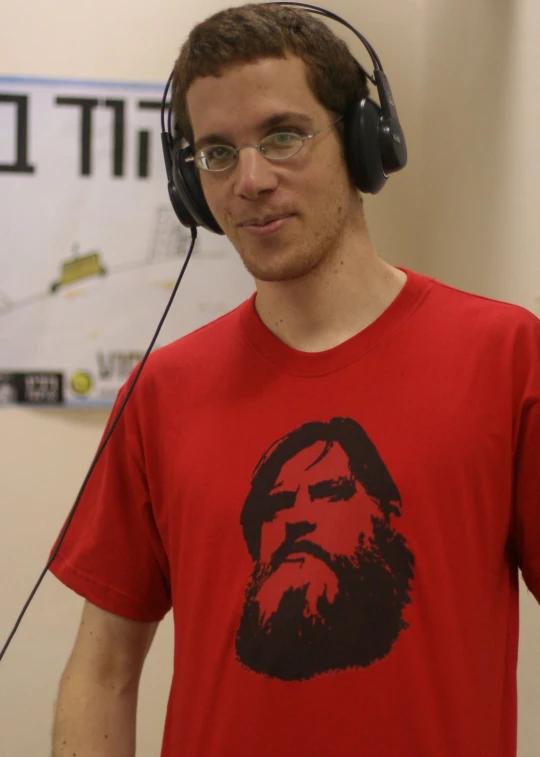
x,y
338,533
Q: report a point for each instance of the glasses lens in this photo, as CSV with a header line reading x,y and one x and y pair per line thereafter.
x,y
280,145
215,158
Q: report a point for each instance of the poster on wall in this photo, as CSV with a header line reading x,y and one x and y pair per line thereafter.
x,y
90,246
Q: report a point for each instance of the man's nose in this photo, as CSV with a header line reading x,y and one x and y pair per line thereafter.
x,y
254,175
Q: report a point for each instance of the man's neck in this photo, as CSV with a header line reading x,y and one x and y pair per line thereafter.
x,y
342,297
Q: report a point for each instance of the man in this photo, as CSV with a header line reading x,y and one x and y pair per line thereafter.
x,y
306,625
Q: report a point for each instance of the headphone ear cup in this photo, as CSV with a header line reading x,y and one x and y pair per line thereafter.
x,y
362,146
179,208
187,196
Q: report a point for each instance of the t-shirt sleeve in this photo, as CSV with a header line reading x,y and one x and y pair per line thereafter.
x,y
112,553
527,460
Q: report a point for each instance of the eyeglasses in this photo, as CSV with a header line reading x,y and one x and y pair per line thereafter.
x,y
279,145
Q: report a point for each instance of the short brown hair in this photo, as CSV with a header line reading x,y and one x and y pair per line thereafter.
x,y
250,32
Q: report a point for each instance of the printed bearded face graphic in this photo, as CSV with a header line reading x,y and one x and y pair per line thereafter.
x,y
331,577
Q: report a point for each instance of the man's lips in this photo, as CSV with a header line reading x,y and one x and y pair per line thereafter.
x,y
263,220
264,226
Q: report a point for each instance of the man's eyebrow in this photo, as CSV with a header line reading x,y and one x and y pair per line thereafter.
x,y
277,119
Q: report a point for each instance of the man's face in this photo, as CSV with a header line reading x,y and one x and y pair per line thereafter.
x,y
311,191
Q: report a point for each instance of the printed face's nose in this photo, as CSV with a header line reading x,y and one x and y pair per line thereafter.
x,y
298,529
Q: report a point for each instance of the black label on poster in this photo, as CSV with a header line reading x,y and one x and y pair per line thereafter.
x,y
32,388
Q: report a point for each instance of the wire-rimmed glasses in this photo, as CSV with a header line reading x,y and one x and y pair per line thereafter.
x,y
278,145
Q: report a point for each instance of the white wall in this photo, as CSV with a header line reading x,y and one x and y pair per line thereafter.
x,y
462,211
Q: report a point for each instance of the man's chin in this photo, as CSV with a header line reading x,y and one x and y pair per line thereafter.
x,y
277,262
273,266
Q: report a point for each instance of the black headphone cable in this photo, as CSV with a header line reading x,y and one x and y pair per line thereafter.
x,y
102,445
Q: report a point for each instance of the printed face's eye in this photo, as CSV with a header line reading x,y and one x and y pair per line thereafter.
x,y
334,491
281,501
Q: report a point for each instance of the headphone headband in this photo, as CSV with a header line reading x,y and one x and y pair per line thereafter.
x,y
316,10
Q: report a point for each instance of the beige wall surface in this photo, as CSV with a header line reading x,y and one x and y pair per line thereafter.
x,y
482,166
464,75
481,114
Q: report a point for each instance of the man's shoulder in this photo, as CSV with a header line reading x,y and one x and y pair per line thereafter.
x,y
211,336
480,312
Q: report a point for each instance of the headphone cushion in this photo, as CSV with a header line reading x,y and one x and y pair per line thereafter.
x,y
362,146
189,192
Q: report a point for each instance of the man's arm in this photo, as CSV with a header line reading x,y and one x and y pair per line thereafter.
x,y
97,702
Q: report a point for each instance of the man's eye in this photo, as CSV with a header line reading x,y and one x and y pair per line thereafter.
x,y
219,152
282,138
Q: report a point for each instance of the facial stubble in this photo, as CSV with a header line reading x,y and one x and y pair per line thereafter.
x,y
308,248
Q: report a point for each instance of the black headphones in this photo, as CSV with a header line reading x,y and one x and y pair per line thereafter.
x,y
374,142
